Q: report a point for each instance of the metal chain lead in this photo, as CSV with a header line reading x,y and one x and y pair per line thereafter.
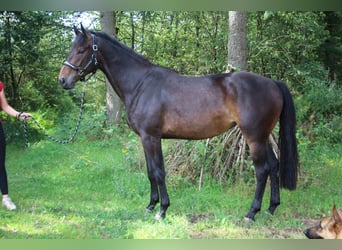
x,y
66,141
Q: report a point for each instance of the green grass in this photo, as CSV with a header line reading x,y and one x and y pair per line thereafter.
x,y
92,191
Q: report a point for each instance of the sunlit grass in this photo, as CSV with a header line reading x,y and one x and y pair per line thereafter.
x,y
94,191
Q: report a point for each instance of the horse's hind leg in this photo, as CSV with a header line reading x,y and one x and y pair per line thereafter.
x,y
274,176
259,156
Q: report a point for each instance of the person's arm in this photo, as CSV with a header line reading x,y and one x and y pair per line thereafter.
x,y
8,109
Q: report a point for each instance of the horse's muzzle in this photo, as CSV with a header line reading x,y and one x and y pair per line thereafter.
x,y
67,83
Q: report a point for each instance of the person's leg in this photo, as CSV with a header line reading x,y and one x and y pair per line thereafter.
x,y
6,200
3,174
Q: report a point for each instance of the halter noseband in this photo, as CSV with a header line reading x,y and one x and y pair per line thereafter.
x,y
92,59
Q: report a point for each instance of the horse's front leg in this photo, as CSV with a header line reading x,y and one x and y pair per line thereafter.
x,y
156,174
154,192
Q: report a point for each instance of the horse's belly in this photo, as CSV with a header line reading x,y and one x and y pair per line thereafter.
x,y
196,127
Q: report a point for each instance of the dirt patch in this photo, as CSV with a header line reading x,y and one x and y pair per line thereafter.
x,y
243,230
195,218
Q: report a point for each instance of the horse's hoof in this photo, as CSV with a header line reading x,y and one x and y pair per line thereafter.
x,y
269,212
149,209
159,216
248,220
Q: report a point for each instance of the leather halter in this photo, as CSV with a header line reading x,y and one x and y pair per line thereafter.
x,y
92,59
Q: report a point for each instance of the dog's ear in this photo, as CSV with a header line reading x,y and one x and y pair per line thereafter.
x,y
336,215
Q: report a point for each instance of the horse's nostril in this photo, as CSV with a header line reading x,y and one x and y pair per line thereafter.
x,y
62,80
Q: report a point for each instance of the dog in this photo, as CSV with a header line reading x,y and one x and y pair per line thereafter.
x,y
328,228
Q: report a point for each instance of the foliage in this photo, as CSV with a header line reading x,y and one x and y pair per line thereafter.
x,y
280,41
330,52
30,43
297,47
27,56
319,107
97,186
188,42
320,115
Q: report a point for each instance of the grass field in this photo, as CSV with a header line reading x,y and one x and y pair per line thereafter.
x,y
92,191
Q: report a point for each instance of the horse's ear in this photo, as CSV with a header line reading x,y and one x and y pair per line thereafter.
x,y
83,29
76,30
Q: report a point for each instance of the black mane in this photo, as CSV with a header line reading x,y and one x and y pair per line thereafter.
x,y
122,46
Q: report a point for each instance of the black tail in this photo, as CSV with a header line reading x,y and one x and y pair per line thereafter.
x,y
287,141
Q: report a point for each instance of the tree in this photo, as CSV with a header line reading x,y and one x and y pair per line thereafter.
x,y
21,33
283,45
32,45
331,50
237,40
191,43
113,102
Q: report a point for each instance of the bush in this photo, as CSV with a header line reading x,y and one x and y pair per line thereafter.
x,y
319,109
15,132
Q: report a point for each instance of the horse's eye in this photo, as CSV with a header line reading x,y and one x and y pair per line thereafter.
x,y
81,51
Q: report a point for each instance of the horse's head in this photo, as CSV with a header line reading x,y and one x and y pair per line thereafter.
x,y
81,60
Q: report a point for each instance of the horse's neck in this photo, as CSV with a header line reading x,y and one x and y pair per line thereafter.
x,y
124,73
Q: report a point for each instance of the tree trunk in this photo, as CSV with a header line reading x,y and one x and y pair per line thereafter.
x,y
237,40
113,102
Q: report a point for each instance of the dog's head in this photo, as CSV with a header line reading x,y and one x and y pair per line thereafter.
x,y
328,228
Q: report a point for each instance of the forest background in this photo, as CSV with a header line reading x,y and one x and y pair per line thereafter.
x,y
304,49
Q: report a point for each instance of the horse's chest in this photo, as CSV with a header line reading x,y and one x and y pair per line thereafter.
x,y
144,118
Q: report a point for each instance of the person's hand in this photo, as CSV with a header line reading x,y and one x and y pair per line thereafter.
x,y
23,115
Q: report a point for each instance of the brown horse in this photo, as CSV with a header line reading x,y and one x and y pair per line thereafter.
x,y
161,103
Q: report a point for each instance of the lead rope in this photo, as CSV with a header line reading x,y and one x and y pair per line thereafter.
x,y
66,141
